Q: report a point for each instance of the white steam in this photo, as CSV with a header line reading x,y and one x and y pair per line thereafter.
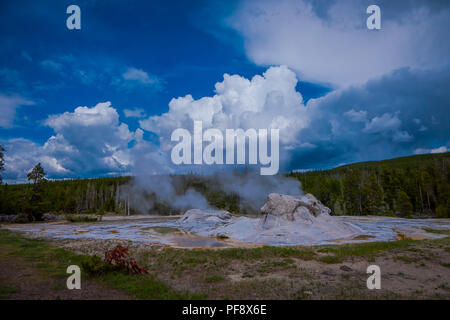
x,y
174,194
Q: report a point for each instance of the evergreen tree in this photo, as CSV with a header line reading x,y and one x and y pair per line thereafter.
x,y
353,192
403,204
36,203
2,162
442,211
37,174
427,182
373,197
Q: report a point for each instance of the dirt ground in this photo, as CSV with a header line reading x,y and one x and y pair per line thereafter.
x,y
420,270
20,279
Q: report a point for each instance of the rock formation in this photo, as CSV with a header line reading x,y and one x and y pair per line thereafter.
x,y
283,209
303,219
201,221
286,220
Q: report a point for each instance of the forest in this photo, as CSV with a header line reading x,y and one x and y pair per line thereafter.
x,y
415,186
408,186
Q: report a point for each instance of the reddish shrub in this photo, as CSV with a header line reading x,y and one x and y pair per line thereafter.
x,y
119,257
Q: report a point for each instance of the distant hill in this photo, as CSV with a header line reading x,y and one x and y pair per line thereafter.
x,y
415,185
411,161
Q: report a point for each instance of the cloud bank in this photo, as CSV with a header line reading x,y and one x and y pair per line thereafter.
x,y
328,41
401,113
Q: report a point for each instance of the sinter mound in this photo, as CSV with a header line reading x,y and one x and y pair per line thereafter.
x,y
286,220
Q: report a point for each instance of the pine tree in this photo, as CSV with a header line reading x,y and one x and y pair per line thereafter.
x,y
373,197
403,204
442,211
36,202
353,192
2,162
37,174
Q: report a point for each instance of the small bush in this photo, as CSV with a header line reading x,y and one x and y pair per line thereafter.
x,y
119,257
330,259
94,266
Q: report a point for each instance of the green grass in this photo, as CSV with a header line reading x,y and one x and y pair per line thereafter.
x,y
444,232
6,291
331,259
210,263
405,259
57,260
271,266
58,287
274,258
303,294
146,287
192,258
214,278
364,249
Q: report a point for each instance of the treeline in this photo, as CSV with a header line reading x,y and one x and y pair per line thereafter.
x,y
66,196
106,195
409,186
405,187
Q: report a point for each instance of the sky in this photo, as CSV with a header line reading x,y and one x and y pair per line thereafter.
x,y
104,100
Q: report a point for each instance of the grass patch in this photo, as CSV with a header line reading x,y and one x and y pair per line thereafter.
x,y
195,257
145,287
271,266
303,294
210,266
364,249
405,259
331,259
444,232
214,278
6,291
57,261
177,261
58,287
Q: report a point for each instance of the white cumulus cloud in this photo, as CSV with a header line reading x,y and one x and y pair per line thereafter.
x,y
8,108
376,120
328,41
267,101
87,141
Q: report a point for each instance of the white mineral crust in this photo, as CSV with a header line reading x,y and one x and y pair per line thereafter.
x,y
285,220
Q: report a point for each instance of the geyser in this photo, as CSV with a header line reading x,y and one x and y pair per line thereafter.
x,y
285,220
183,192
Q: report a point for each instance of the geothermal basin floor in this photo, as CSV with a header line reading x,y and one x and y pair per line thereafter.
x,y
167,231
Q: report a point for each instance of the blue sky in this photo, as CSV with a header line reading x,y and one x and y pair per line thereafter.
x,y
356,104
163,38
